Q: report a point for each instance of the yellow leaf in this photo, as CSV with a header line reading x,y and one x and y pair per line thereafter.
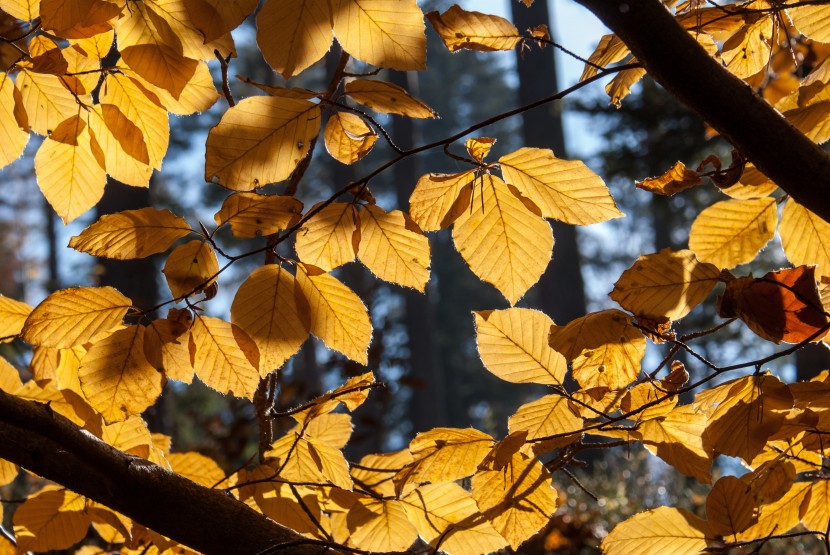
x,y
214,18
518,500
191,268
781,516
9,377
811,21
69,169
67,372
266,307
78,18
387,98
384,33
730,507
46,100
513,345
348,138
49,520
120,164
260,141
75,316
13,138
748,51
564,190
149,119
731,232
394,248
479,147
13,315
620,86
664,530
444,455
131,436
198,95
677,438
152,49
182,22
280,504
743,414
502,240
8,474
352,394
677,179
328,239
294,35
25,10
805,237
547,416
333,429
338,316
665,285
95,47
459,28
817,514
648,400
609,50
305,459
376,472
166,347
439,199
380,525
131,234
116,377
446,517
752,184
197,468
252,214
223,357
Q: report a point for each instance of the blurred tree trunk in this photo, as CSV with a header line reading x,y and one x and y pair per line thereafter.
x,y
561,289
428,402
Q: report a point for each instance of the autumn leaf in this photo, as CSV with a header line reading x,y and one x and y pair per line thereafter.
x,y
610,49
225,358
53,518
748,51
26,10
329,238
266,307
662,530
677,179
252,214
547,416
9,377
665,285
811,21
731,232
781,516
439,199
198,468
620,86
677,439
444,455
380,525
215,18
348,138
294,35
393,247
13,315
166,348
376,471
191,268
459,28
564,190
46,100
387,98
730,507
351,394
131,234
260,141
302,458
118,163
502,240
75,316
384,33
78,19
479,147
805,237
13,137
513,345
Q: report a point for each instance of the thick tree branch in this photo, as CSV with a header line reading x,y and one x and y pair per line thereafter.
x,y
675,60
210,521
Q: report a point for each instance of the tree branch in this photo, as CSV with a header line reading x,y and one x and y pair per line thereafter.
x,y
210,521
676,61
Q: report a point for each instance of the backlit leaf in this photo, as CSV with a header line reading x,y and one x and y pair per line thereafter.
x,y
75,316
444,455
260,141
479,147
811,21
384,33
8,473
217,17
748,51
46,100
817,514
131,234
518,500
78,18
459,28
302,458
448,514
282,505
337,314
166,347
730,507
439,199
665,530
620,86
513,345
380,525
376,471
394,248
26,10
198,95
13,138
198,468
387,98
13,315
731,232
223,357
267,309
294,35
252,214
564,190
119,163
9,377
677,439
191,268
348,138
547,416
351,394
805,237
502,240
182,22
781,516
677,179
666,285
329,238
609,50
53,518
116,378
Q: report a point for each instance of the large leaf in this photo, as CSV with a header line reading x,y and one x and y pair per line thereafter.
x,y
677,438
75,316
380,525
439,199
13,315
564,190
805,237
46,100
260,141
513,345
444,455
252,214
294,35
329,238
131,234
53,518
13,136
503,241
267,308
665,530
394,248
113,132
225,357
459,28
730,507
547,416
385,33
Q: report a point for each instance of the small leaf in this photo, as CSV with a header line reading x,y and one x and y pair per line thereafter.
x,y
252,214
730,507
439,199
348,138
52,519
677,179
479,147
620,86
223,357
444,455
75,316
13,315
547,416
459,28
747,51
131,234
393,247
191,268
328,239
380,525
609,50
387,98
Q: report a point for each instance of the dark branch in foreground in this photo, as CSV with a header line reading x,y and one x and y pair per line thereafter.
x,y
676,61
